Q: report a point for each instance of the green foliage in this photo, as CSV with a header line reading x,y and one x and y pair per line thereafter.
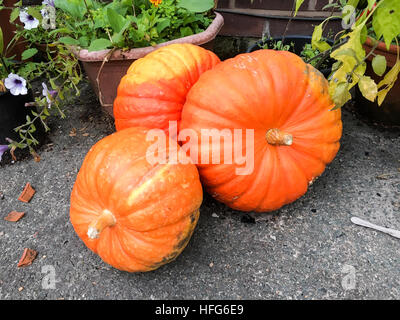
x,y
196,5
278,45
386,21
379,65
93,25
44,60
298,5
127,24
379,20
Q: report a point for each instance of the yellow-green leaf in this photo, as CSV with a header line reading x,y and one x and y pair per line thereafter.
x,y
316,36
388,82
1,42
379,65
368,88
340,94
298,5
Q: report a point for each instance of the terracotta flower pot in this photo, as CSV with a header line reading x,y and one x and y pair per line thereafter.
x,y
389,112
105,71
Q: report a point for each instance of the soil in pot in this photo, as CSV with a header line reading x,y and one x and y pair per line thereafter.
x,y
389,112
13,114
296,44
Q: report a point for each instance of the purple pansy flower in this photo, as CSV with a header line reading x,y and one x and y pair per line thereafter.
x,y
3,148
16,84
49,94
29,21
48,3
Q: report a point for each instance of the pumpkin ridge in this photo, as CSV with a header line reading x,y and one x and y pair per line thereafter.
x,y
182,243
117,244
234,86
176,75
299,148
268,81
131,253
229,179
315,99
289,154
155,112
127,226
159,85
88,185
147,179
195,104
274,168
254,180
187,67
273,177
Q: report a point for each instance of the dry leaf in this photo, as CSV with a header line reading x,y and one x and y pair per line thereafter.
x,y
14,216
12,153
36,157
27,258
27,193
85,134
72,133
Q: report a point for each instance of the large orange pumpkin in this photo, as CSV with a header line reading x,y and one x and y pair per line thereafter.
x,y
286,104
135,215
153,91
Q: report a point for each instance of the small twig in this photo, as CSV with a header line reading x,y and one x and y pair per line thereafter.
x,y
90,14
289,22
109,54
325,54
360,222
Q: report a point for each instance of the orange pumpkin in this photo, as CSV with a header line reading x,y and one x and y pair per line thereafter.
x,y
135,215
286,104
153,91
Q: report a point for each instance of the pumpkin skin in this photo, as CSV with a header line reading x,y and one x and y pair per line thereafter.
x,y
153,91
136,216
287,104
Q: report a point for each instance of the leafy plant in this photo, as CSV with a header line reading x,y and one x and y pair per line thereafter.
x,y
125,24
278,45
59,71
379,19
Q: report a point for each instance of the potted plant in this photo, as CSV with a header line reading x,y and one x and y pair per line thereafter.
x,y
108,36
366,55
30,91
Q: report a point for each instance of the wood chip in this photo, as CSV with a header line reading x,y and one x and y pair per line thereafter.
x,y
27,193
85,134
27,258
14,216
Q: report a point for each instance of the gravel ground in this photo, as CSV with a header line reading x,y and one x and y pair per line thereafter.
x,y
306,250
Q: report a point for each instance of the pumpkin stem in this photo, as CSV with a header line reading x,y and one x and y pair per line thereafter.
x,y
104,220
276,137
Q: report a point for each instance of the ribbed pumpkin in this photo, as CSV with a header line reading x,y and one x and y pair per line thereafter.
x,y
153,91
286,103
136,216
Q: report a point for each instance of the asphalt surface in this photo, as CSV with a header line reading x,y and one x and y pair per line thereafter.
x,y
307,250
